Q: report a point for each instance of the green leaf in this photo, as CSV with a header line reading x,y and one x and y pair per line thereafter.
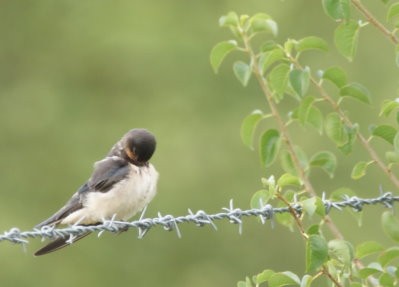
x,y
346,38
371,269
316,252
269,58
286,220
244,20
314,229
392,156
269,183
386,280
220,51
357,91
309,205
320,207
289,45
348,146
359,170
326,161
288,179
287,163
367,248
341,193
315,119
284,279
351,133
242,72
269,147
261,196
248,127
306,281
337,9
231,19
393,11
341,250
385,132
302,113
311,43
262,22
264,276
246,283
390,225
299,80
388,106
396,142
335,129
278,79
389,255
303,159
336,75
268,46
289,196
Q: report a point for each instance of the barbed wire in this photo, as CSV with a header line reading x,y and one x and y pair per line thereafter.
x,y
200,218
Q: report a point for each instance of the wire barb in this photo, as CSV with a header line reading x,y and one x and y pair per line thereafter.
x,y
199,218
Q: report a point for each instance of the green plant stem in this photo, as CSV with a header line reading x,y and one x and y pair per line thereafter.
x,y
284,133
370,17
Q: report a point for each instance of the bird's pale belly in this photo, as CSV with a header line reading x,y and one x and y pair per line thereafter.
x,y
123,201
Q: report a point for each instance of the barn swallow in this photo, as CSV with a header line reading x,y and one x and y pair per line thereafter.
x,y
121,185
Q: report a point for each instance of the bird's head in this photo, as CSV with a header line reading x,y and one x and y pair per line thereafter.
x,y
138,146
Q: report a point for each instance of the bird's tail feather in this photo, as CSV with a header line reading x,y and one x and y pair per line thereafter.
x,y
58,244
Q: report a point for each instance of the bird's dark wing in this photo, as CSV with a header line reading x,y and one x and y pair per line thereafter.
x,y
75,203
58,244
108,172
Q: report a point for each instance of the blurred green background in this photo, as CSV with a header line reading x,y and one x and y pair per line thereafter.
x,y
76,75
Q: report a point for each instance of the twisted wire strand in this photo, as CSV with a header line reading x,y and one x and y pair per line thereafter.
x,y
200,218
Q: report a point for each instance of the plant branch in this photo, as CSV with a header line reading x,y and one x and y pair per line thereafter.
x,y
373,154
282,127
365,144
284,133
328,274
370,17
294,214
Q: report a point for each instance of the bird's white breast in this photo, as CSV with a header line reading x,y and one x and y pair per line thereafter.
x,y
122,201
